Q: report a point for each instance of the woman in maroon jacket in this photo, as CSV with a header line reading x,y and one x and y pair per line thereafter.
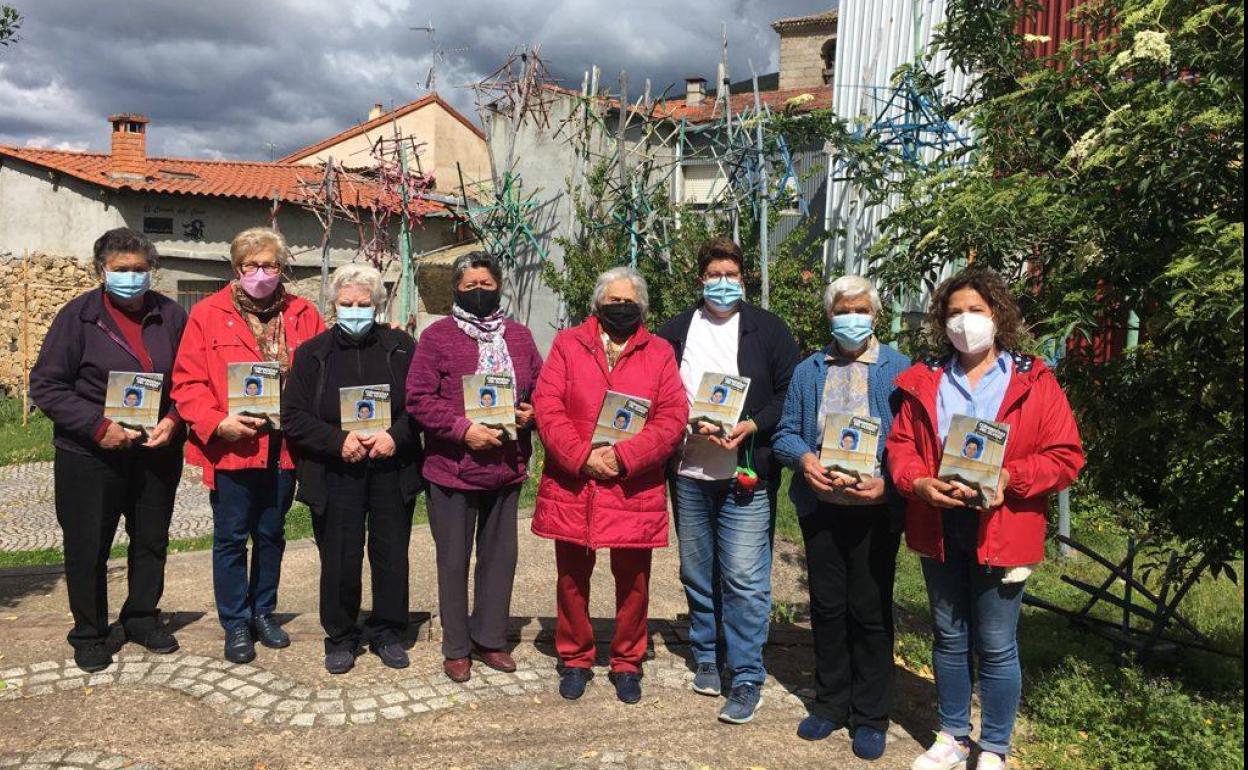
x,y
102,469
474,472
977,554
594,495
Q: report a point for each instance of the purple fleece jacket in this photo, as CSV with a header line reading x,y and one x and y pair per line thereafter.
x,y
435,398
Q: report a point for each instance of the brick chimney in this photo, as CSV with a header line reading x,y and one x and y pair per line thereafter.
x,y
695,91
129,155
376,112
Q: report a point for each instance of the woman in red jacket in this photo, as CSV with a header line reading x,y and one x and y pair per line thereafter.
x,y
976,560
595,494
245,458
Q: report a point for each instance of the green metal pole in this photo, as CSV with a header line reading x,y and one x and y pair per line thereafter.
x,y
406,284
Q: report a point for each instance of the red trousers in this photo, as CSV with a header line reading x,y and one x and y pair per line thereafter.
x,y
574,635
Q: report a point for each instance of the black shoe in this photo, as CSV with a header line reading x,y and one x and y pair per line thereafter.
x,y
339,661
93,657
269,633
157,640
627,686
392,654
572,681
239,647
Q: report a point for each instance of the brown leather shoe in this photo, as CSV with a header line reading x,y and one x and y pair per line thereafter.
x,y
458,669
495,659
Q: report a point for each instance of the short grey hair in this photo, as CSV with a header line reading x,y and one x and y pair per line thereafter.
x,y
851,286
620,274
466,262
256,239
364,276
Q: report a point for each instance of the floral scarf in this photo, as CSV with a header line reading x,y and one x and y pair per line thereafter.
x,y
265,323
492,354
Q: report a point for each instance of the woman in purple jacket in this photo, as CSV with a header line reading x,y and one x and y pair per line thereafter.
x,y
106,468
474,472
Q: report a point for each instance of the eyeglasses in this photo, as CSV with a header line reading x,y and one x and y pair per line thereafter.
x,y
712,277
250,269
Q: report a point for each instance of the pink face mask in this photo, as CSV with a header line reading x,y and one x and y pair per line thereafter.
x,y
260,285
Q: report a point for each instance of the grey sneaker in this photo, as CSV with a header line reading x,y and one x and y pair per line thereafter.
x,y
743,701
706,680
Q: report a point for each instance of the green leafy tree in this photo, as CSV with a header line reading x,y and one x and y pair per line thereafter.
x,y
1109,179
10,23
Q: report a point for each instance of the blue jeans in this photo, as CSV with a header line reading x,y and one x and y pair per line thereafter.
x,y
248,504
725,566
969,601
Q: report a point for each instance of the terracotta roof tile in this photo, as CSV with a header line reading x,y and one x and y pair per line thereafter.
x,y
713,109
814,18
251,180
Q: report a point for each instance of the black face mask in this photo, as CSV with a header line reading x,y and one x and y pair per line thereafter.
x,y
620,319
480,302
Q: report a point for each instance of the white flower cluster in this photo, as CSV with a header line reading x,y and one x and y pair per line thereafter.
x,y
1148,46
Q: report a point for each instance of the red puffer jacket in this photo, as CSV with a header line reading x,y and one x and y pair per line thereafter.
x,y
1043,456
629,511
217,335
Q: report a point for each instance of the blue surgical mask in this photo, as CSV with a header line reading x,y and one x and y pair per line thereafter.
x,y
852,330
723,294
127,286
356,321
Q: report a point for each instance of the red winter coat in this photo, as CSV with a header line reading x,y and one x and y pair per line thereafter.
x,y
216,335
1043,456
629,511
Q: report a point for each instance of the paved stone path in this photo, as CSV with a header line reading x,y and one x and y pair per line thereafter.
x,y
70,760
28,511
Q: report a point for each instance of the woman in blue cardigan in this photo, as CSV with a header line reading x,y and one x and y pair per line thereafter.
x,y
852,528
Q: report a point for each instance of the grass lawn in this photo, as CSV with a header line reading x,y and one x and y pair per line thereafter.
x,y
23,443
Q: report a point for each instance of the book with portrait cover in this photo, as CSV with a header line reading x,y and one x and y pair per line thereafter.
x,y
974,455
719,401
132,399
849,445
622,416
364,410
490,400
255,390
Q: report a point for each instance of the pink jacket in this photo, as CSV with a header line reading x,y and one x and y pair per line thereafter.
x,y
217,335
629,511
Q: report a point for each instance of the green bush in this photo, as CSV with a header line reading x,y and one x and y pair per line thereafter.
x,y
1102,718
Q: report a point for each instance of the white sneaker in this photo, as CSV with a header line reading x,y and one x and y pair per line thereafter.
x,y
990,761
945,754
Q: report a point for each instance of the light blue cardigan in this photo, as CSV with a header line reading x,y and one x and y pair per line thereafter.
x,y
799,431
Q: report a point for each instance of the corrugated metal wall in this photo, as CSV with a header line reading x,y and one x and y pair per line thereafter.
x,y
1052,21
874,38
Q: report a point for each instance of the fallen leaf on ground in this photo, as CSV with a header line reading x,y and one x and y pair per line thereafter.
x,y
588,754
88,690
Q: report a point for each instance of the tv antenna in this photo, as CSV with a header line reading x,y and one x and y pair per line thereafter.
x,y
439,54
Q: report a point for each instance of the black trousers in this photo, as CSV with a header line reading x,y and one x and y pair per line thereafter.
x,y
363,503
851,560
93,492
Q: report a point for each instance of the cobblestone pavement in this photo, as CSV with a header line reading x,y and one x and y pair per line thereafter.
x,y
28,511
73,760
604,760
255,695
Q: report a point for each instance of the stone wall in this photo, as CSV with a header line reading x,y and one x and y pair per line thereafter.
x,y
801,55
27,307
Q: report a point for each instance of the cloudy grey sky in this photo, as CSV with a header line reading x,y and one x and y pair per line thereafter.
x,y
225,78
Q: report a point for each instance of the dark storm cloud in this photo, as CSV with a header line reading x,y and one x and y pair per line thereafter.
x,y
229,78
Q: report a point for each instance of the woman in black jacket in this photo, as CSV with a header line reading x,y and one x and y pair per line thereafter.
x,y
105,468
358,466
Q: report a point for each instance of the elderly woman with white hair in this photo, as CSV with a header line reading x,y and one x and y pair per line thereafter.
x,y
358,466
851,526
474,471
611,409
246,460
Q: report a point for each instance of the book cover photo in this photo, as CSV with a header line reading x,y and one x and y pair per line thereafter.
x,y
255,390
490,400
849,445
365,409
719,401
974,455
132,400
621,417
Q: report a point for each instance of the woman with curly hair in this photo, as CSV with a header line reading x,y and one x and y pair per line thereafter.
x,y
977,561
